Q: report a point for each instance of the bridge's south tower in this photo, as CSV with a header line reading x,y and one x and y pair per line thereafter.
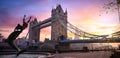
x,y
57,29
34,33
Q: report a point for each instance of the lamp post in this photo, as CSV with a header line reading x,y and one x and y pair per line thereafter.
x,y
118,9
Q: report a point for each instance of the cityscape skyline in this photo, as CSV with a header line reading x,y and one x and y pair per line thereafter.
x,y
87,15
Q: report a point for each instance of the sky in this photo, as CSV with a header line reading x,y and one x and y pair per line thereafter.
x,y
87,15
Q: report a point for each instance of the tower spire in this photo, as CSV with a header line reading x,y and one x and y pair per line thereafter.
x,y
59,8
66,11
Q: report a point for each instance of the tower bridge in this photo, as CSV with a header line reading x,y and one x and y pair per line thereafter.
x,y
57,29
60,26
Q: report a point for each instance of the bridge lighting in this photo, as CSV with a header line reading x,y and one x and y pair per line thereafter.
x,y
84,38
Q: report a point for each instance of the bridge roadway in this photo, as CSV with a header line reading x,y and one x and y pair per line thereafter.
x,y
92,41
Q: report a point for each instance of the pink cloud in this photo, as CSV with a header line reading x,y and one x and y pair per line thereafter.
x,y
4,30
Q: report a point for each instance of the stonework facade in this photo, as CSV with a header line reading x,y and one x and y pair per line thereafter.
x,y
57,28
34,34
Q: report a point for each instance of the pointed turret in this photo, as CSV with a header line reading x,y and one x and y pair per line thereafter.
x,y
66,12
59,8
52,9
35,21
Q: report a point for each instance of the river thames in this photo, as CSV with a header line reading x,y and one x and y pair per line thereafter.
x,y
96,54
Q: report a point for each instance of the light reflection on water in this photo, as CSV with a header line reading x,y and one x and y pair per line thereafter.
x,y
98,54
23,56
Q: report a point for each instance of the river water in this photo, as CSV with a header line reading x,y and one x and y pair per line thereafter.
x,y
23,56
97,54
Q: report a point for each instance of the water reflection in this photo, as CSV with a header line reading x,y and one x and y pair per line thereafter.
x,y
97,54
23,56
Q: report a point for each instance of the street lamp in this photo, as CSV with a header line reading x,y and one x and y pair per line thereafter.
x,y
118,5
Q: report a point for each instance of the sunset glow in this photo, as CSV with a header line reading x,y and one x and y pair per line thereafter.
x,y
87,15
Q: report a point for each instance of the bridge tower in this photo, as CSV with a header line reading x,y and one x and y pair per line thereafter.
x,y
34,33
57,29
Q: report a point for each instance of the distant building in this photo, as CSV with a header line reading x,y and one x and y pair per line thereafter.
x,y
22,42
1,38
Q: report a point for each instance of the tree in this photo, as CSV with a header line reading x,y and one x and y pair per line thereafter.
x,y
114,5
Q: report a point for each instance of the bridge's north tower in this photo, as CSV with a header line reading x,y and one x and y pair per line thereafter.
x,y
57,28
